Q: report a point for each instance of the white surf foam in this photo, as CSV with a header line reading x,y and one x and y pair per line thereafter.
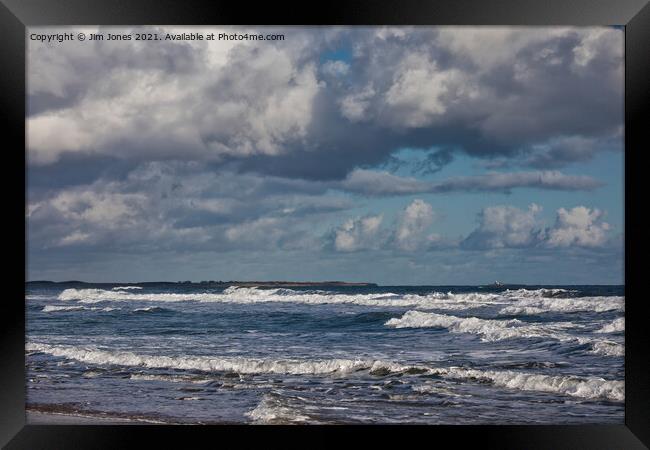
x,y
616,326
536,293
521,310
496,330
55,308
271,411
538,305
169,378
513,302
608,348
590,388
245,295
149,309
489,330
237,364
124,288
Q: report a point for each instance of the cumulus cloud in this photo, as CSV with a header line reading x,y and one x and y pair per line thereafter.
x,y
510,227
254,100
412,230
506,226
358,234
579,226
174,205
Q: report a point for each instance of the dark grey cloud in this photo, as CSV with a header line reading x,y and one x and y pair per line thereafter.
x,y
280,109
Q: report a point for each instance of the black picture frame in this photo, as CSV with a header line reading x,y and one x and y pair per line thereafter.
x,y
634,15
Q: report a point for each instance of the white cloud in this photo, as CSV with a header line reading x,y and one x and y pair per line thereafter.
x,y
580,226
256,104
506,226
412,230
355,105
421,92
358,234
336,68
511,227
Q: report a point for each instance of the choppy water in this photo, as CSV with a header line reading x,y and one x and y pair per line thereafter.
x,y
196,353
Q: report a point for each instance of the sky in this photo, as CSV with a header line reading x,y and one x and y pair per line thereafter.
x,y
399,156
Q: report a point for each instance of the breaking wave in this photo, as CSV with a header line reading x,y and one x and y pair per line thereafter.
x,y
513,302
538,305
55,308
589,388
616,326
271,410
496,330
608,348
150,309
489,330
124,288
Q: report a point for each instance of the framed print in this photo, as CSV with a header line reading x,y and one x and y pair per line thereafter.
x,y
299,222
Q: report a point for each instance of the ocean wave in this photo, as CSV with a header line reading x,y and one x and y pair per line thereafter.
x,y
248,295
124,288
169,378
435,300
538,305
55,308
271,410
616,326
521,311
150,309
589,388
608,348
489,330
496,330
537,293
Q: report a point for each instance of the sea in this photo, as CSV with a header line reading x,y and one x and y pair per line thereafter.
x,y
207,353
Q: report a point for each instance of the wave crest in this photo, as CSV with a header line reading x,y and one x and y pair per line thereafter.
x,y
56,308
532,302
496,330
590,388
